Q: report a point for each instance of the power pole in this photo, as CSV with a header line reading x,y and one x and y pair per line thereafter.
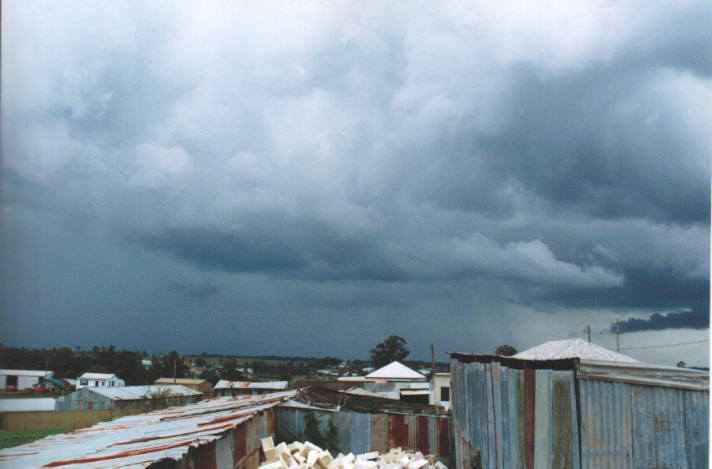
x,y
432,353
588,328
618,337
174,371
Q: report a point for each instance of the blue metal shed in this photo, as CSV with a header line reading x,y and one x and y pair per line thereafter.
x,y
571,413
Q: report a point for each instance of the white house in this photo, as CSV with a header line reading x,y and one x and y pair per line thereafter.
x,y
99,380
402,383
22,379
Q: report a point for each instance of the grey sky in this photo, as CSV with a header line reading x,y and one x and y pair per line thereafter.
x,y
308,178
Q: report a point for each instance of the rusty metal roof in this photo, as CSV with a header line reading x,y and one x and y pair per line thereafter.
x,y
142,392
276,385
141,440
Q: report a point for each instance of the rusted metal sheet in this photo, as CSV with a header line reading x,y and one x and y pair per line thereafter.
x,y
362,432
513,417
545,415
187,435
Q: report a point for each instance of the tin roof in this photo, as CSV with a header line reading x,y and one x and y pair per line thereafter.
x,y
179,381
142,392
39,373
573,348
141,440
395,370
276,385
97,376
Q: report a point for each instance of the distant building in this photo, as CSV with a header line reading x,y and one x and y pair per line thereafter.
x,y
397,372
22,379
242,388
401,383
99,380
123,398
440,386
201,385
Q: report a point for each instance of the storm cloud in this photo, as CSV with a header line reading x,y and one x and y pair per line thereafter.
x,y
420,170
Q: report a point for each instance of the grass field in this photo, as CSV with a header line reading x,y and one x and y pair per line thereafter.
x,y
10,439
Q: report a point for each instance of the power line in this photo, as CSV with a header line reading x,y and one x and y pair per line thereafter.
x,y
667,345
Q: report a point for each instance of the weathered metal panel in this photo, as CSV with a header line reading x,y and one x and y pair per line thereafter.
x,y
360,432
697,428
658,421
606,424
565,433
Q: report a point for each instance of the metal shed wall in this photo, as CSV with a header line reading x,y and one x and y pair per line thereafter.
x,y
506,417
361,433
630,425
508,414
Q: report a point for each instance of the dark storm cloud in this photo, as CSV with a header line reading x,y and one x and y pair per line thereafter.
x,y
504,158
693,319
198,291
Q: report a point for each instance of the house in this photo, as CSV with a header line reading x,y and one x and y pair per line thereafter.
x,y
440,385
200,385
127,397
242,388
11,380
397,372
401,383
99,380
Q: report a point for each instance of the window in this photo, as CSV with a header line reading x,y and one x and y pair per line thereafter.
x,y
445,393
83,382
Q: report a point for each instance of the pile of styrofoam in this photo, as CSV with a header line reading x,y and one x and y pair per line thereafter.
x,y
298,455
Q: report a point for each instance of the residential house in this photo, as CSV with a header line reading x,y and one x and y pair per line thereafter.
x,y
401,383
440,386
99,380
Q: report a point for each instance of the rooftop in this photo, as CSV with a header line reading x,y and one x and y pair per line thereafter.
x,y
395,370
141,440
573,348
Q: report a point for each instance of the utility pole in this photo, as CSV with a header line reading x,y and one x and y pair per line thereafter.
x,y
618,337
174,371
588,328
432,353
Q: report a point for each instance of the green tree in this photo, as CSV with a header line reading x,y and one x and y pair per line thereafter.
x,y
230,370
390,350
505,350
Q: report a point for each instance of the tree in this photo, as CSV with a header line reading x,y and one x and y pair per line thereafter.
x,y
681,364
505,350
390,350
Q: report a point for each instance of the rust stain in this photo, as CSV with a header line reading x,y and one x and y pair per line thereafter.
x,y
124,454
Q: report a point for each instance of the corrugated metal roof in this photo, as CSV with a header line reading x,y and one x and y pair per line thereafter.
x,y
641,373
141,440
574,348
395,370
97,376
141,392
41,374
276,385
179,381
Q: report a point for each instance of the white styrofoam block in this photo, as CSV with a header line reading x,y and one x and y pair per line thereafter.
x,y
367,456
267,443
418,464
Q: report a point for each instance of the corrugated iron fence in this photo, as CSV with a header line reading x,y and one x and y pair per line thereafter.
x,y
361,432
508,414
52,420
